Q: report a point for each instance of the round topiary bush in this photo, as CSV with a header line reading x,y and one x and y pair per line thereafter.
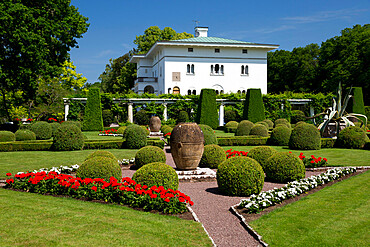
x,y
264,123
244,128
149,154
158,174
232,124
42,130
305,137
121,130
213,155
99,167
261,154
284,167
54,126
209,134
270,123
259,130
166,129
182,117
240,176
101,153
283,121
352,137
297,116
135,136
230,115
142,118
25,135
68,137
280,135
77,123
7,136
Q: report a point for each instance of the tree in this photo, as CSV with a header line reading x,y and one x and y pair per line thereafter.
x,y
36,37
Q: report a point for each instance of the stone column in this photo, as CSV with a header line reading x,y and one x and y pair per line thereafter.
x,y
221,115
130,113
165,112
66,111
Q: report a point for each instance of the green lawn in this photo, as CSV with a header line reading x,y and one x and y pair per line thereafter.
x,y
94,135
335,156
338,215
30,160
36,220
221,133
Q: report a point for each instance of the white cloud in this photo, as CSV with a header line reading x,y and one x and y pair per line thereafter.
x,y
105,53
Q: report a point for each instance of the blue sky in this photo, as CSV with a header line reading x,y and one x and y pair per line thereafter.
x,y
114,24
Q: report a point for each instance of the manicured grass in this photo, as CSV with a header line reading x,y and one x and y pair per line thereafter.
x,y
30,160
335,156
221,133
338,215
94,135
36,220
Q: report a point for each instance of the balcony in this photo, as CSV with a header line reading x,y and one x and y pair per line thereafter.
x,y
147,79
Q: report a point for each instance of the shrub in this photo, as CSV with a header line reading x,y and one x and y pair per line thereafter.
x,y
183,117
242,141
77,123
149,154
230,115
209,134
108,117
352,137
101,153
207,108
284,167
297,116
68,137
280,135
305,137
42,130
135,136
264,123
254,110
7,136
240,176
166,129
282,121
261,154
54,126
24,135
269,122
244,128
142,118
213,155
93,119
157,174
259,130
99,167
356,103
231,127
121,130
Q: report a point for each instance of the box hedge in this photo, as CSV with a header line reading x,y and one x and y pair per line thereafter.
x,y
93,119
254,110
207,108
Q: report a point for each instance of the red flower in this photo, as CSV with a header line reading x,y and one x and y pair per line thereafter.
x,y
325,159
167,199
10,181
191,203
94,188
8,174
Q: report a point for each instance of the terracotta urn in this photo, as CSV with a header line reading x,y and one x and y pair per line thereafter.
x,y
187,145
155,124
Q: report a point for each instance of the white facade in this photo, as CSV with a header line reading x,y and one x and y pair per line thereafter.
x,y
186,66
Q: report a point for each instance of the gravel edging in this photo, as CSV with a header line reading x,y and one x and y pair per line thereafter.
x,y
197,220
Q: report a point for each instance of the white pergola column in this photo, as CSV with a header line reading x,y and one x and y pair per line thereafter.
x,y
221,115
165,112
130,113
66,111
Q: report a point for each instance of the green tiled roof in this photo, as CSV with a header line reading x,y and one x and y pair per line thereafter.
x,y
211,40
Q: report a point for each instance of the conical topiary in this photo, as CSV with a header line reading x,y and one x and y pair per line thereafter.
x,y
93,119
254,110
356,103
207,109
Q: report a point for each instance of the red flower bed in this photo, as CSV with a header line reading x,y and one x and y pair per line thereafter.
x,y
313,161
230,153
107,132
126,192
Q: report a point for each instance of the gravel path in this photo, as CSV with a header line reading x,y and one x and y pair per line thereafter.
x,y
213,212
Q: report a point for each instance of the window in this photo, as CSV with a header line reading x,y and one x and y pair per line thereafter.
x,y
245,70
217,92
176,90
217,50
169,90
194,92
190,69
243,92
245,51
211,69
149,89
190,49
189,92
217,69
222,91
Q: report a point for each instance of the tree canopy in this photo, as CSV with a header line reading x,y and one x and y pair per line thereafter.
x,y
35,37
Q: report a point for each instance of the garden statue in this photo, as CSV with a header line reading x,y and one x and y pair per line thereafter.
x,y
155,124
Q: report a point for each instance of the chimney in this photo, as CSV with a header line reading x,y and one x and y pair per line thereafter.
x,y
201,31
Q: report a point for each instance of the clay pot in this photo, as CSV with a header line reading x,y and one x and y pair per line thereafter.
x,y
187,145
155,124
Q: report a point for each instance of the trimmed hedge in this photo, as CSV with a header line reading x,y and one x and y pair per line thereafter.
x,y
327,142
264,124
261,154
24,135
280,135
77,123
7,136
284,167
42,130
240,176
101,153
207,108
149,154
356,103
259,130
269,122
213,155
182,117
242,141
54,126
297,116
121,130
100,167
68,137
352,137
230,115
244,128
305,137
157,174
254,110
282,121
136,136
93,119
209,134
104,144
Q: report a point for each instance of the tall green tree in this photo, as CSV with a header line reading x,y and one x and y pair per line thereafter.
x,y
35,37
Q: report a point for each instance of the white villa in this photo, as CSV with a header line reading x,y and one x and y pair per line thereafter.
x,y
186,66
